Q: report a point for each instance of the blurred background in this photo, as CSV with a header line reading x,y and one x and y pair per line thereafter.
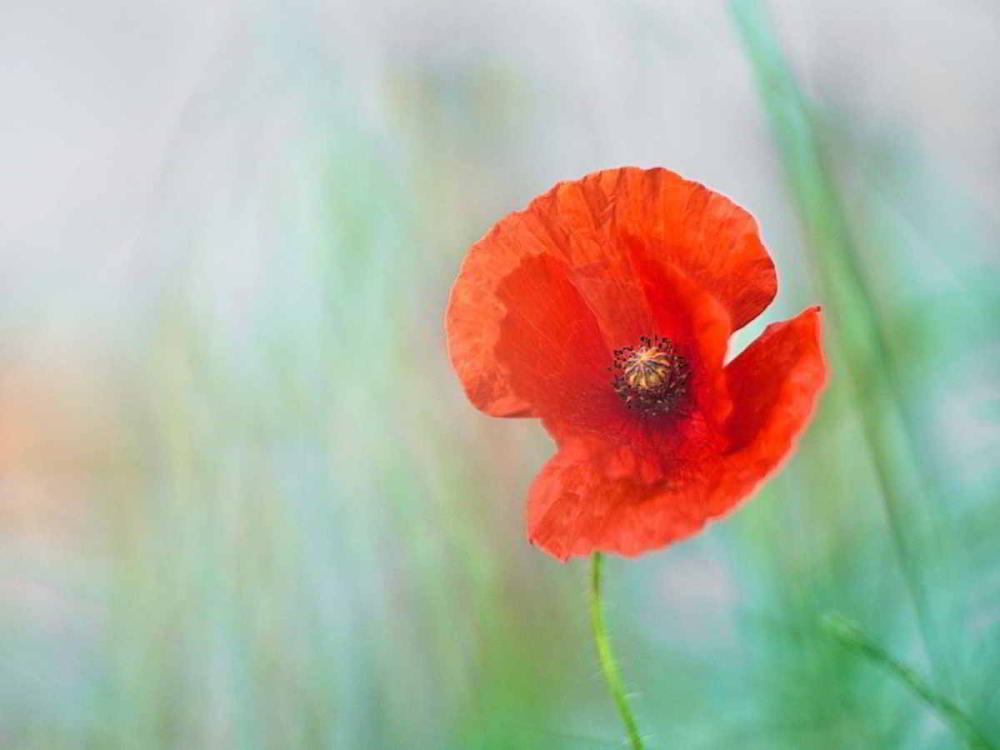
x,y
243,501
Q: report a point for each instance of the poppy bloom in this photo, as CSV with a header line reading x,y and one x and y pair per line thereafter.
x,y
604,309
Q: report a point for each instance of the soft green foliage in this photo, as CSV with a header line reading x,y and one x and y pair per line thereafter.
x,y
247,505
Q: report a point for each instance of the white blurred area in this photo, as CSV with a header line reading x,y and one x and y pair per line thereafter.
x,y
121,119
150,150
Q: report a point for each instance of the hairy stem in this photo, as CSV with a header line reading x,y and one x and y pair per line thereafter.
x,y
607,659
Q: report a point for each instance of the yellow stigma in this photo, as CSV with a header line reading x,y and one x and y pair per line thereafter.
x,y
650,378
648,368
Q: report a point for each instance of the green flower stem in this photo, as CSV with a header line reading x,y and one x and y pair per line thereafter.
x,y
604,654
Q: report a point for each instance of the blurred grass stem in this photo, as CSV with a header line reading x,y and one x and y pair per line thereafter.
x,y
859,334
850,635
606,657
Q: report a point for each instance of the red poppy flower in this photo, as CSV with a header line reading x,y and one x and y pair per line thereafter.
x,y
604,309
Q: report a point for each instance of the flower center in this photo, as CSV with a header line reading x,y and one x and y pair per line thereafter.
x,y
651,377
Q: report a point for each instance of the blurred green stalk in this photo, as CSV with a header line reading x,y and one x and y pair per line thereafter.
x,y
850,635
859,338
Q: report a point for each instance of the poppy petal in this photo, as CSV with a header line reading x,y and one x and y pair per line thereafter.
x,y
551,348
560,225
596,227
596,496
701,232
697,323
775,384
589,499
472,325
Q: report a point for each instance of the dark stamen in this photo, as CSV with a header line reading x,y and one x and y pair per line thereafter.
x,y
652,377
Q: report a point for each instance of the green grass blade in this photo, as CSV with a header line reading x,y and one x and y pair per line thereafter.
x,y
849,634
858,334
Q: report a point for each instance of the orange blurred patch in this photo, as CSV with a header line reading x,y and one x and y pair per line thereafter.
x,y
58,433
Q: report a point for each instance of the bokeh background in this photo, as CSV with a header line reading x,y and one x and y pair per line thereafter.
x,y
243,502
